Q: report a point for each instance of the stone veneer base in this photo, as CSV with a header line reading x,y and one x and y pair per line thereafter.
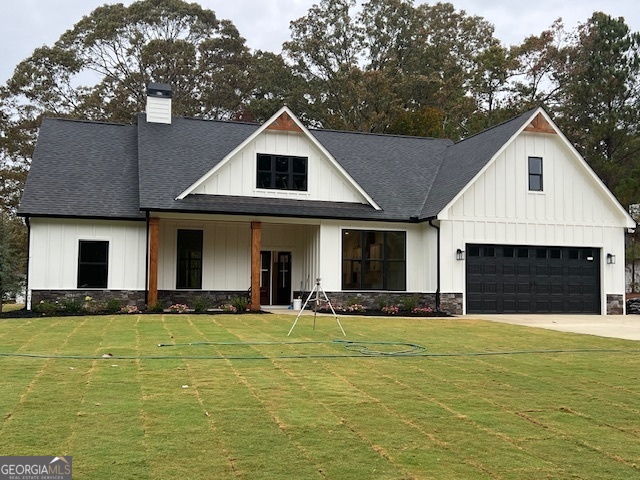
x,y
449,302
615,304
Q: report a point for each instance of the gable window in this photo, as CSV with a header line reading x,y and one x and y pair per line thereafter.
x,y
93,263
189,268
535,174
282,172
373,260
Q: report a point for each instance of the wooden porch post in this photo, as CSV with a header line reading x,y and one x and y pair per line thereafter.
x,y
152,297
256,230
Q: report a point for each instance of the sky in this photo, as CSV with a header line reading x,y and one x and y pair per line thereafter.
x,y
28,24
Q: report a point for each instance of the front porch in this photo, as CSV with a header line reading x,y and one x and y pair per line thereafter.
x,y
216,260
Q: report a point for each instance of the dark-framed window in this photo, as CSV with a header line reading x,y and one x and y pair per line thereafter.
x,y
93,263
374,260
189,268
535,174
282,172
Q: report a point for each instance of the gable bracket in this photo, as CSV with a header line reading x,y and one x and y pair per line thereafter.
x,y
540,125
284,123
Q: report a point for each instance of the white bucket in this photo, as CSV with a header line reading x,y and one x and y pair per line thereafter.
x,y
297,303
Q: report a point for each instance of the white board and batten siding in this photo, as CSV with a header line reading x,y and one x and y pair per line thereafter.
x,y
420,253
498,208
226,263
238,175
53,252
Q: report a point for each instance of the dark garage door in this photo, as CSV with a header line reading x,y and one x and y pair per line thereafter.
x,y
521,279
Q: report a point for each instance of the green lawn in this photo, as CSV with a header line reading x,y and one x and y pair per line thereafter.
x,y
317,410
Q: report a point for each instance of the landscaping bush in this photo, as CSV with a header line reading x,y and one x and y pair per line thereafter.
x,y
201,304
240,303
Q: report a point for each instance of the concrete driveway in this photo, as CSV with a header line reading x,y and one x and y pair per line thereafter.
x,y
615,326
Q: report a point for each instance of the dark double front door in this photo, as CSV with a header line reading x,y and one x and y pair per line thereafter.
x,y
275,278
526,279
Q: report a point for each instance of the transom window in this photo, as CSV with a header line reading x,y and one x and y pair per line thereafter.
x,y
373,260
93,263
189,268
282,172
535,174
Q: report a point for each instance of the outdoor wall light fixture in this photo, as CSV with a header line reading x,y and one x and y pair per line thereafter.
x,y
611,259
459,254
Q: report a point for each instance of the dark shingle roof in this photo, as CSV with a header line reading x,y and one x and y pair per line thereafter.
x,y
396,171
83,169
464,160
173,157
108,170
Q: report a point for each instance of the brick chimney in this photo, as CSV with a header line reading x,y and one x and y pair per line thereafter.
x,y
159,103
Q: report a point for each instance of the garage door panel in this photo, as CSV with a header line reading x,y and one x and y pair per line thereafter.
x,y
542,288
519,279
509,270
542,270
556,271
524,288
475,269
489,269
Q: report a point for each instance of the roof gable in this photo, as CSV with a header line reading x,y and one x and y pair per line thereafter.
x,y
481,151
283,120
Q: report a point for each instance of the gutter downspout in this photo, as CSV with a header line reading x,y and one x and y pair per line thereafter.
x,y
146,265
27,293
437,263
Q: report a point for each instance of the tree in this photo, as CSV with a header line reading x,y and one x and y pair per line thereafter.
x,y
325,49
122,49
538,61
274,85
600,102
364,71
12,256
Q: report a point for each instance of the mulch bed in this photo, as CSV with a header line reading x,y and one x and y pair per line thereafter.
x,y
24,313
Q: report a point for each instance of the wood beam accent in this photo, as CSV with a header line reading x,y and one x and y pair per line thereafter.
x,y
152,295
540,125
256,232
284,123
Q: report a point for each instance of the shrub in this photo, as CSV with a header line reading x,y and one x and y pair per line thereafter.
x,y
390,309
155,308
201,304
112,305
47,307
409,303
129,309
327,308
240,303
178,308
383,302
422,310
228,308
356,307
92,306
72,305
